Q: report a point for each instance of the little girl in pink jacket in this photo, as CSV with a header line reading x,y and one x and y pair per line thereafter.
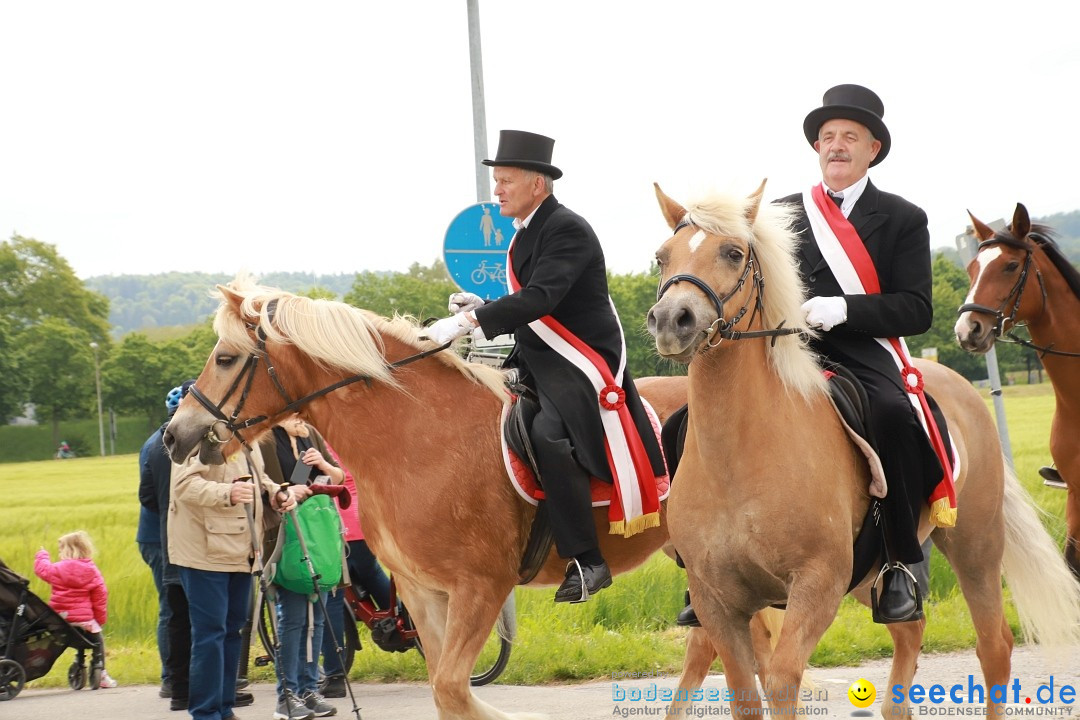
x,y
79,594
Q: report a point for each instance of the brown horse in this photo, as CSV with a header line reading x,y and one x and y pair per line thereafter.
x,y
1019,276
420,430
771,491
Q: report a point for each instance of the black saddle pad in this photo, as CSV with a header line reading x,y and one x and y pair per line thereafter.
x,y
516,430
673,438
851,399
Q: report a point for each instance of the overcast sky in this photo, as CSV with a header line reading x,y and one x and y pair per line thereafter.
x,y
144,137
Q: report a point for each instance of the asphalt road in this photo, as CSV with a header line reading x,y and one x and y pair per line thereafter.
x,y
598,699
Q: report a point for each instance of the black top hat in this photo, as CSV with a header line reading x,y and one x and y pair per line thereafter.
x,y
850,102
518,148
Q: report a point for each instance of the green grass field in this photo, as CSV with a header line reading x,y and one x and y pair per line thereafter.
x,y
629,627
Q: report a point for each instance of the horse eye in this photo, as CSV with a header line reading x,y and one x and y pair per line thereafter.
x,y
225,360
734,254
1012,266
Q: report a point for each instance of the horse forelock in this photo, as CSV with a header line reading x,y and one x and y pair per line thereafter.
x,y
335,335
775,242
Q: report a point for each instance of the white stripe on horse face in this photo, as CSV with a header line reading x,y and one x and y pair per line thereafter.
x,y
696,241
983,259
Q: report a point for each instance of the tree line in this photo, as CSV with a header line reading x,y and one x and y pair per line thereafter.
x,y
56,335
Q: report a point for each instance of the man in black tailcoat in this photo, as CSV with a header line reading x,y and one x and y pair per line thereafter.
x,y
569,349
849,134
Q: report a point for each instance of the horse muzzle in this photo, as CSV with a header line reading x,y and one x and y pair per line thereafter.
x,y
184,436
974,333
679,326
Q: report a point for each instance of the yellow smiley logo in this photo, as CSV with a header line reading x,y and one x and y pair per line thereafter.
x,y
862,693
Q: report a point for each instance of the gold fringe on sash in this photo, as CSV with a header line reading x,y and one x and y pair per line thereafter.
x,y
638,524
941,515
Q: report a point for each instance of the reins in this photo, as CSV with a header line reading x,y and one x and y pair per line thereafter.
x,y
1015,295
725,328
247,376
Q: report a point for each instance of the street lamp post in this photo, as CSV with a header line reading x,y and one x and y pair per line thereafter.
x,y
97,385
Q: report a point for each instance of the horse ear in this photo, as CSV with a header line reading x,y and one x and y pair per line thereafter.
x,y
673,211
981,229
755,201
231,297
1021,224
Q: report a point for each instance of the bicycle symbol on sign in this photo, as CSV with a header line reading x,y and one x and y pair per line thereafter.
x,y
484,272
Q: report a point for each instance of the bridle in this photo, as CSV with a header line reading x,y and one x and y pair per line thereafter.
x,y
1014,297
246,377
721,328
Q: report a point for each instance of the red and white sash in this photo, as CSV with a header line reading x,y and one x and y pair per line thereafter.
x,y
635,504
846,255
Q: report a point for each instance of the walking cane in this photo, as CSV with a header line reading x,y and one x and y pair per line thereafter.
x,y
261,584
341,492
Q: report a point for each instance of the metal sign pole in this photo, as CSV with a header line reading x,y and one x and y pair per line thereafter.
x,y
483,184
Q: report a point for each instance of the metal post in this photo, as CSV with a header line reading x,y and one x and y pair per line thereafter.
x,y
97,384
967,245
483,183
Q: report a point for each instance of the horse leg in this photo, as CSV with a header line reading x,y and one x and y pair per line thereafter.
x,y
765,629
427,608
1072,537
810,611
470,616
974,552
700,654
729,632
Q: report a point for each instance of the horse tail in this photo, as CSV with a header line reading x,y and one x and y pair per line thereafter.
x,y
1044,590
506,625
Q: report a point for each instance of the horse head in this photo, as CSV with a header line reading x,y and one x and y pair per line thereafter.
x,y
708,274
274,351
999,274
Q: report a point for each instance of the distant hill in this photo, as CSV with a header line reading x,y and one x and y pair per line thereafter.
x,y
166,300
145,302
1066,228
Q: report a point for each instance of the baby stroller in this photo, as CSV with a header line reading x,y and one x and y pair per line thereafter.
x,y
33,636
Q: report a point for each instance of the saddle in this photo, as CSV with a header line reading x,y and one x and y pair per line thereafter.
x,y
521,467
852,404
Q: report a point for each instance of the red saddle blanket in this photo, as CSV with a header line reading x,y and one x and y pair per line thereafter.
x,y
524,481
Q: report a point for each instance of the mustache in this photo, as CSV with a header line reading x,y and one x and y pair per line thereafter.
x,y
839,155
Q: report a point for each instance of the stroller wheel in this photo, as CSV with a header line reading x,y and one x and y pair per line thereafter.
x,y
77,676
95,677
12,679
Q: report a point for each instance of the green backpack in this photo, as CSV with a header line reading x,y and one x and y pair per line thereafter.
x,y
320,526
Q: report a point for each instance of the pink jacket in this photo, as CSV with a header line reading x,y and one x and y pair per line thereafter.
x,y
349,518
77,588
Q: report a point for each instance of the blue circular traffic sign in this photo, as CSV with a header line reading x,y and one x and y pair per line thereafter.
x,y
475,250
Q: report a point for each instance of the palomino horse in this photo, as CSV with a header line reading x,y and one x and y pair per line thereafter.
x,y
771,491
420,430
1019,276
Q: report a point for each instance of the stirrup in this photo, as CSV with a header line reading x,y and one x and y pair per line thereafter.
x,y
581,576
891,574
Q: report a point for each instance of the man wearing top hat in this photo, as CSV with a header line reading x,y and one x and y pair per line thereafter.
x,y
865,258
570,351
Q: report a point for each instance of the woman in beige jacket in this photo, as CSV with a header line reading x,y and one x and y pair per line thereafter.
x,y
212,543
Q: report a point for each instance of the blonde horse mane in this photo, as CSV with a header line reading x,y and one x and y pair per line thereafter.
x,y
333,334
774,243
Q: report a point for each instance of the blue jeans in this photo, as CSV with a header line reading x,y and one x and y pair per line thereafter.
x,y
297,669
154,558
365,571
218,607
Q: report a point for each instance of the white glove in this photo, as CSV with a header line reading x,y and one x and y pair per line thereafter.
x,y
478,335
825,313
447,329
464,302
